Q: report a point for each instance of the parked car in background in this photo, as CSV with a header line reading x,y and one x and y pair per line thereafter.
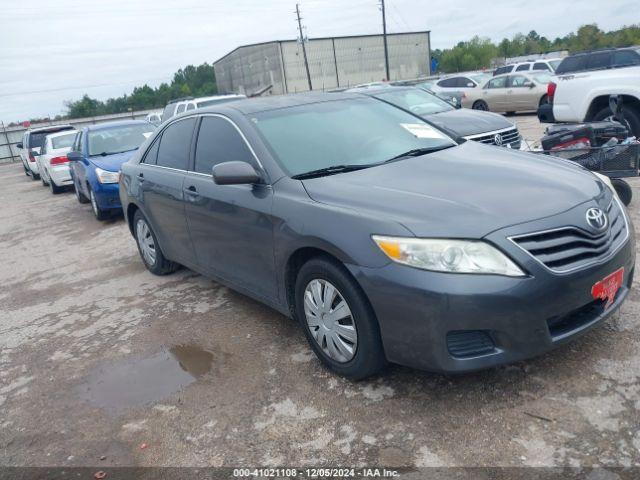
x,y
385,239
464,84
155,118
546,64
517,92
32,142
53,163
95,160
170,109
600,60
194,103
584,96
485,127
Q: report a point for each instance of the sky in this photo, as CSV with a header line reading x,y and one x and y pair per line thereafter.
x,y
52,51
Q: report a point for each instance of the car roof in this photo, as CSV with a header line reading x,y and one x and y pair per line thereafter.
x,y
218,97
381,89
264,104
51,128
119,123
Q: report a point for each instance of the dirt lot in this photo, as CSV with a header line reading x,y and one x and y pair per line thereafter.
x,y
99,357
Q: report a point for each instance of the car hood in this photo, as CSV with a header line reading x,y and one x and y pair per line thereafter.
x,y
467,191
466,122
112,162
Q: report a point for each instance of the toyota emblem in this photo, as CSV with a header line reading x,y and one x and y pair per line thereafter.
x,y
497,139
596,219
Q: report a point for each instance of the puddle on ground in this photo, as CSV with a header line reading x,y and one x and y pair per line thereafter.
x,y
139,381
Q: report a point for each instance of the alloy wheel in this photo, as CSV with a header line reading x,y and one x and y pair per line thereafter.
x,y
330,320
146,242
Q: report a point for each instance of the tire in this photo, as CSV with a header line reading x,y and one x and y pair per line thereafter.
x,y
544,100
81,197
480,105
55,189
99,213
623,189
367,354
157,264
35,176
631,114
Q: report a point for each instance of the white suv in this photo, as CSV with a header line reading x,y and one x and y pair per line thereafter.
x,y
31,144
548,64
194,103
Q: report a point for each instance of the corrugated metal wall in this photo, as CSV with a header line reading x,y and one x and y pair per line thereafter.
x,y
333,62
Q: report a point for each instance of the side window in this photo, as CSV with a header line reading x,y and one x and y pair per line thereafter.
x,y
190,106
465,82
448,82
151,156
599,60
523,68
623,58
173,151
540,66
180,108
219,141
517,80
499,82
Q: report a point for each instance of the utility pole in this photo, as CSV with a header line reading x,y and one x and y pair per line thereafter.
x,y
384,37
304,49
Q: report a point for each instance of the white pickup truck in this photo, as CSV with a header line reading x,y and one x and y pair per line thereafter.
x,y
584,96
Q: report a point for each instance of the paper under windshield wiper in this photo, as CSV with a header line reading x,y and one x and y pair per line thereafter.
x,y
330,171
416,152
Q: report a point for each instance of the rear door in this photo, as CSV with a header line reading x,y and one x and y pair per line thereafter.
x,y
161,177
231,225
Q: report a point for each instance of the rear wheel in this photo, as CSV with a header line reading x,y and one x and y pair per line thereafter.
x,y
623,189
44,182
34,176
631,115
480,105
97,211
337,319
150,251
55,189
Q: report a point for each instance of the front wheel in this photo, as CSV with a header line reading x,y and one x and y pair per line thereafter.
x,y
480,105
337,320
150,251
97,211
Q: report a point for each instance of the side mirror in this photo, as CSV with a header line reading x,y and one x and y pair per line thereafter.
x,y
235,173
74,156
19,145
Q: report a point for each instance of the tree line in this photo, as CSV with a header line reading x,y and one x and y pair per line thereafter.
x,y
190,81
478,52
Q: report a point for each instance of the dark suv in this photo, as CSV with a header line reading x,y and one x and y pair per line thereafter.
x,y
599,60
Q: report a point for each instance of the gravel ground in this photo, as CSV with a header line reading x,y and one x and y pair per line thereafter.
x,y
104,364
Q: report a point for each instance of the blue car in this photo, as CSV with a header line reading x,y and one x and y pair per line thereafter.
x,y
95,160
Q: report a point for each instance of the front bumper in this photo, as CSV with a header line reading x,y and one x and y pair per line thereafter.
x,y
425,317
107,195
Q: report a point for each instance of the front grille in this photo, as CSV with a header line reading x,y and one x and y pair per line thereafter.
x,y
571,248
469,343
509,136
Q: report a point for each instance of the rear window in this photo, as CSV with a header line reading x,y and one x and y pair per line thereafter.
x,y
36,139
572,64
63,141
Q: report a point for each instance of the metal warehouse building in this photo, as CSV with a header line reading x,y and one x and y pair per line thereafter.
x,y
333,62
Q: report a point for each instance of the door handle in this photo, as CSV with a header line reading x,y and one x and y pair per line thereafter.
x,y
191,190
141,176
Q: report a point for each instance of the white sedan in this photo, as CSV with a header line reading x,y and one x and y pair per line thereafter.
x,y
53,163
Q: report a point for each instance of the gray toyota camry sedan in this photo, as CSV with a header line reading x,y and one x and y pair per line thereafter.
x,y
384,238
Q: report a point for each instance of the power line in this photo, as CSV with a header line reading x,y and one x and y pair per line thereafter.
x,y
304,49
384,38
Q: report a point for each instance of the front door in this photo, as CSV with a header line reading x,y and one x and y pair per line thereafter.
x,y
231,225
161,179
495,94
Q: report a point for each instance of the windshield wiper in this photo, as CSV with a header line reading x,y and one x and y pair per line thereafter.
x,y
332,170
104,154
416,152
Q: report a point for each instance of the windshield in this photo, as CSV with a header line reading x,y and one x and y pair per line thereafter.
x,y
480,78
63,141
415,100
118,139
344,132
554,63
542,78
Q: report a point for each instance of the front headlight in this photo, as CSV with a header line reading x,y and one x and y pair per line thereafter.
x,y
105,176
444,255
